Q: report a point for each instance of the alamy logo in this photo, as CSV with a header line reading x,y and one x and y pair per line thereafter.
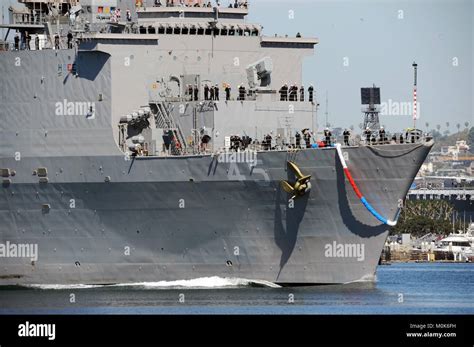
x,y
20,250
246,157
75,108
345,250
399,108
37,330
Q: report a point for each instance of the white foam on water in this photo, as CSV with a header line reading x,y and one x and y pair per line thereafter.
x,y
198,283
62,286
205,282
365,279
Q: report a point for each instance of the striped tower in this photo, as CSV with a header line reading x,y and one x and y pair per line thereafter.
x,y
415,106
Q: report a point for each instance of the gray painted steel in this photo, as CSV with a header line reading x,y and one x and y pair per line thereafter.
x,y
181,217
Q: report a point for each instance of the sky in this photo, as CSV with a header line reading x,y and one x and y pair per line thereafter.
x,y
366,42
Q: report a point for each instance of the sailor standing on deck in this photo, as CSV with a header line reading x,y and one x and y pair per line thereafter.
x,y
56,41
17,42
382,135
298,139
346,135
302,93
268,140
227,92
206,92
196,93
28,40
241,92
216,92
69,40
368,135
307,138
212,93
327,137
190,91
293,92
22,40
290,93
37,42
282,91
285,92
311,93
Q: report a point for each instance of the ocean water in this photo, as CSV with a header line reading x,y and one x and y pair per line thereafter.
x,y
415,288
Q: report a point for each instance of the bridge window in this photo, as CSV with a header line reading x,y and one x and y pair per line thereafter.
x,y
197,30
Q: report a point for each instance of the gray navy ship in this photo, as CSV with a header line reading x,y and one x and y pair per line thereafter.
x,y
145,141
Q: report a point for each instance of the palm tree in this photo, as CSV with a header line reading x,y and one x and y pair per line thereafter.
x,y
459,127
466,125
427,126
438,127
447,132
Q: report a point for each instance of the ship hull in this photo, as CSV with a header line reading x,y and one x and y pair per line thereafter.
x,y
105,220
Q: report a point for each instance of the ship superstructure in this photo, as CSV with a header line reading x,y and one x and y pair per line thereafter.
x,y
177,142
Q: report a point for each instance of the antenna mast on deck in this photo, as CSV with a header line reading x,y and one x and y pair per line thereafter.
x,y
370,98
415,106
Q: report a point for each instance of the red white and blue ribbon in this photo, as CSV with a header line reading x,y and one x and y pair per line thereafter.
x,y
358,193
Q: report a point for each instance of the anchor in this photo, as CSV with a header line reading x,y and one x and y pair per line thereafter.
x,y
302,184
